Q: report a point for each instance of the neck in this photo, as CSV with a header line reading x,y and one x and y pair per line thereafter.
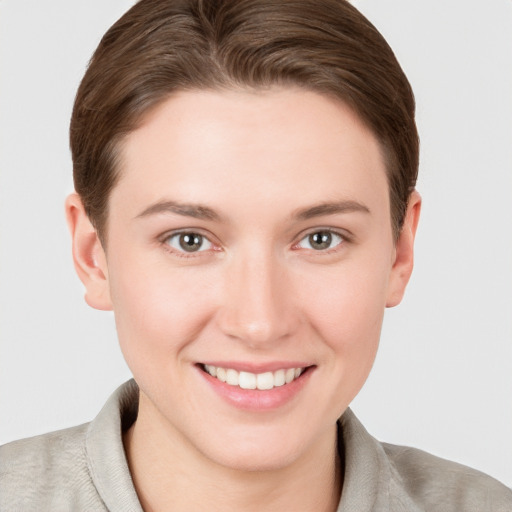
x,y
169,474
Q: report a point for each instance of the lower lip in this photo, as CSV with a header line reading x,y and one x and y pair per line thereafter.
x,y
255,399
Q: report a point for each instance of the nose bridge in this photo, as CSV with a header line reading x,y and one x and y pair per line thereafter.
x,y
256,307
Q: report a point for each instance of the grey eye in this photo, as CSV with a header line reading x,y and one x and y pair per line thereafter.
x,y
189,242
321,240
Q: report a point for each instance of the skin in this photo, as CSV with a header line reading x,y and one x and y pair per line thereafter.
x,y
256,292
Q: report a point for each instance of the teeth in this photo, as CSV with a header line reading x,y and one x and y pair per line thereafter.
x,y
248,380
265,380
232,377
221,374
279,378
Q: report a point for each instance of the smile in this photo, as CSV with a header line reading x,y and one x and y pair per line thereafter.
x,y
248,380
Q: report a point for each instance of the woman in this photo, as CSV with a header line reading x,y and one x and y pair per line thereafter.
x,y
245,204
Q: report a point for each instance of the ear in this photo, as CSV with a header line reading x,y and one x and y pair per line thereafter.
x,y
88,255
404,252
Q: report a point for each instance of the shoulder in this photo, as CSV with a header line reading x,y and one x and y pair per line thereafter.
x,y
385,477
80,468
445,486
47,472
44,452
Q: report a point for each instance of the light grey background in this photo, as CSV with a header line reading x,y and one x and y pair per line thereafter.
x,y
443,376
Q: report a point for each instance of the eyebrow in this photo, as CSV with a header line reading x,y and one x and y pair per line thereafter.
x,y
330,208
199,211
196,211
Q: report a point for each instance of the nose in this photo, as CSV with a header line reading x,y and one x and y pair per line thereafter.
x,y
257,306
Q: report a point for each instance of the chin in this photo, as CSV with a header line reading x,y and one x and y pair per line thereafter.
x,y
264,450
256,459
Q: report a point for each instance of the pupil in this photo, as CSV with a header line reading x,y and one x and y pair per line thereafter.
x,y
320,240
190,242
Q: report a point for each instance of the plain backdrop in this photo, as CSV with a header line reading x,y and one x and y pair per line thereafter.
x,y
443,376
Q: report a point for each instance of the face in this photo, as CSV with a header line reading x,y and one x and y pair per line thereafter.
x,y
249,239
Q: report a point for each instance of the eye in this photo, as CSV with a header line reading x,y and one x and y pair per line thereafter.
x,y
321,240
189,242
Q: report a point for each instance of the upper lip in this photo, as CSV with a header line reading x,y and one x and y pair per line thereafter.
x,y
244,366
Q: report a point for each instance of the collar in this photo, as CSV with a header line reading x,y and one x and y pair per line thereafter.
x,y
105,451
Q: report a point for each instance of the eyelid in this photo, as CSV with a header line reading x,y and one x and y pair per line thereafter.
x,y
345,236
182,253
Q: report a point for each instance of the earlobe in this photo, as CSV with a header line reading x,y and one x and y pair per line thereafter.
x,y
88,255
404,252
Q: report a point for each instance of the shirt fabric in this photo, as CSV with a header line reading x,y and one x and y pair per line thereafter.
x,y
84,469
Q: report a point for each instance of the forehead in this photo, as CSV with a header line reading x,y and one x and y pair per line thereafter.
x,y
219,147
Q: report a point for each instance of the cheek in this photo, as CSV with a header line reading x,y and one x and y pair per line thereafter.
x,y
346,307
158,311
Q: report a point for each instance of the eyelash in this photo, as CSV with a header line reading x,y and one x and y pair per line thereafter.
x,y
183,253
343,239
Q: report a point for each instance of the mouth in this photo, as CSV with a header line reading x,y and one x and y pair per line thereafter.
x,y
260,381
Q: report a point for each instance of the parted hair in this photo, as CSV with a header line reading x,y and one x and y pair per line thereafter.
x,y
162,46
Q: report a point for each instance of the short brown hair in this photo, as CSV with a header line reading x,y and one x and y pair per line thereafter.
x,y
161,46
